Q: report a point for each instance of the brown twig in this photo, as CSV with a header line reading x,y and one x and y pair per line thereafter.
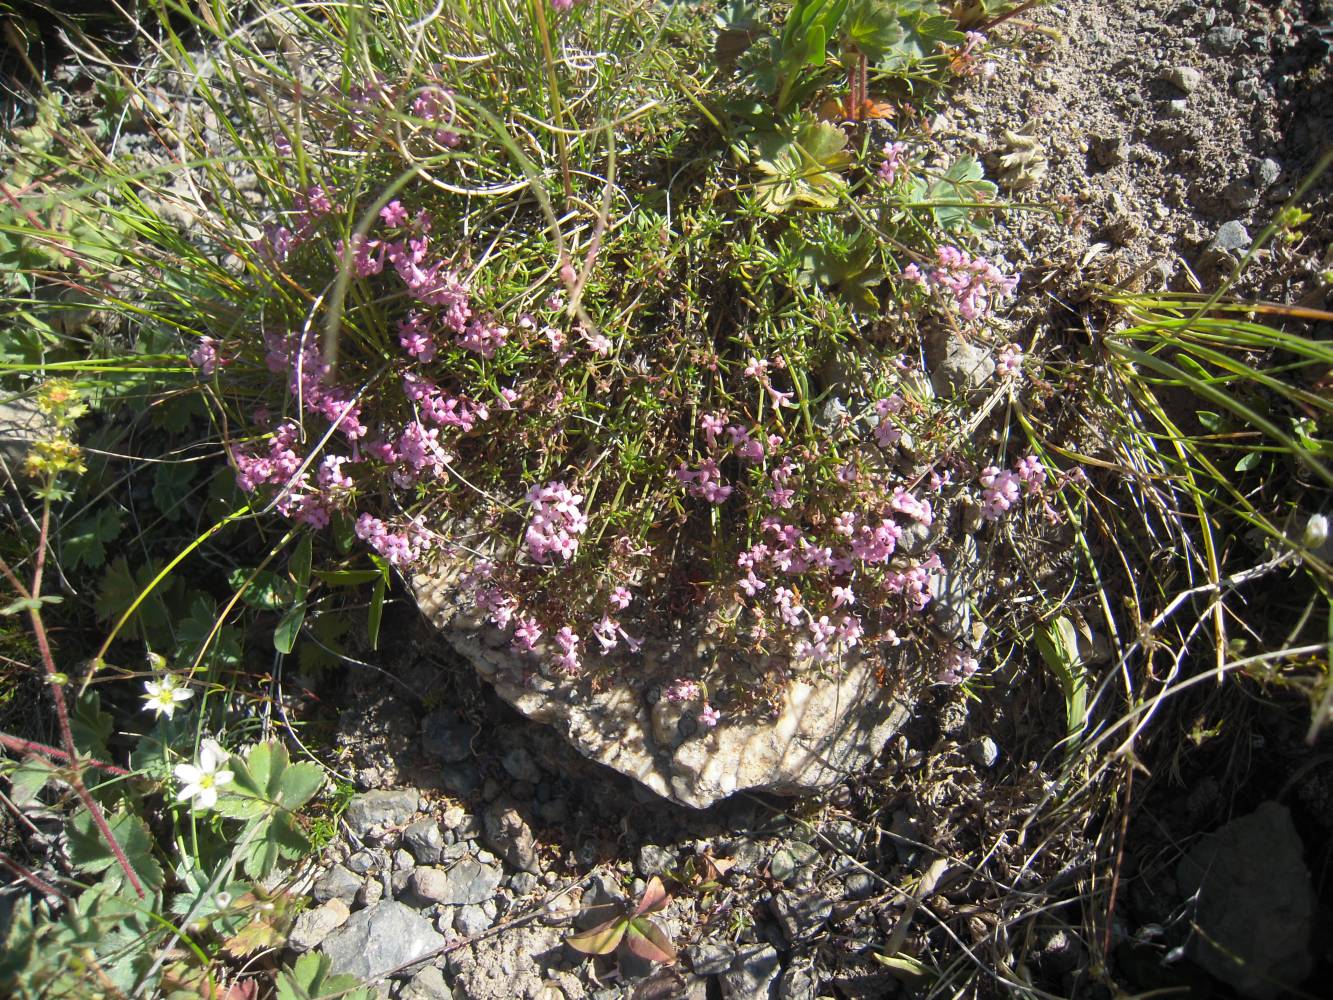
x,y
33,879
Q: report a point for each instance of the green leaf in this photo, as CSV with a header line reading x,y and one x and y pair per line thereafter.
x,y
1249,461
1209,420
90,726
804,166
270,841
30,604
84,542
600,940
299,784
645,939
171,485
375,613
309,979
960,188
89,853
1057,641
872,29
289,628
924,34
268,591
195,629
117,591
28,779
299,566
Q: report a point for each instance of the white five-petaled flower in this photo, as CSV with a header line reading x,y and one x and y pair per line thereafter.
x,y
165,694
201,781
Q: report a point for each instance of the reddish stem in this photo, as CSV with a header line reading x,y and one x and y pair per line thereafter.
x,y
34,880
58,697
20,745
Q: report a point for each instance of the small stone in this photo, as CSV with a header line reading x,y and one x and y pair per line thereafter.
x,y
1253,901
1109,150
522,883
471,920
957,365
313,926
654,860
470,881
461,779
799,981
361,862
984,752
1184,78
1266,173
370,893
446,736
520,765
336,883
860,885
389,807
424,840
1176,109
752,974
428,886
1231,237
428,984
791,860
1061,952
801,916
1223,41
379,939
709,958
505,831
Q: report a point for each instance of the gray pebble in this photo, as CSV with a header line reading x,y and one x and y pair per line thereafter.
x,y
471,920
336,883
1184,78
1231,237
709,958
984,752
1223,41
424,840
520,765
654,860
1266,173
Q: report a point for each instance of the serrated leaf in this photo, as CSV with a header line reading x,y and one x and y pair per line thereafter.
x,y
600,940
309,979
274,840
872,29
802,167
90,853
90,726
171,486
645,939
84,543
200,627
28,779
299,784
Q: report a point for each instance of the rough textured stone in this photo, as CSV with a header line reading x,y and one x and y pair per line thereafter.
x,y
753,975
21,423
1232,237
471,920
379,939
654,860
801,915
1254,903
388,807
957,365
314,925
428,984
709,958
469,881
424,841
520,765
336,883
829,724
518,963
446,736
505,831
799,981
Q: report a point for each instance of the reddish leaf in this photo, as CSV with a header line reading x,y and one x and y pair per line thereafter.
x,y
649,942
654,898
601,940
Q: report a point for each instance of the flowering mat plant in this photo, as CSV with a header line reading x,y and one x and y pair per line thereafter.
x,y
659,384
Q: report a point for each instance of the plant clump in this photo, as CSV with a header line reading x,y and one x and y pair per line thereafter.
x,y
636,354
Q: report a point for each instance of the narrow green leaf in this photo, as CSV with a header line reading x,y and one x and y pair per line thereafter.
x,y
289,628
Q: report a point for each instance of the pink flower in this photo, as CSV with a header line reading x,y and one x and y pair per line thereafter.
x,y
620,598
393,213
709,716
682,689
205,356
1010,364
526,634
895,153
958,666
556,522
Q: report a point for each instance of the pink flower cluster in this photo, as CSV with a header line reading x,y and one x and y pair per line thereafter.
x,y
205,356
974,282
401,548
277,240
556,522
705,482
957,667
1002,489
1010,364
308,374
895,157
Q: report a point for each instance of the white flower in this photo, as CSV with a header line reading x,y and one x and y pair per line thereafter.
x,y
201,782
164,695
